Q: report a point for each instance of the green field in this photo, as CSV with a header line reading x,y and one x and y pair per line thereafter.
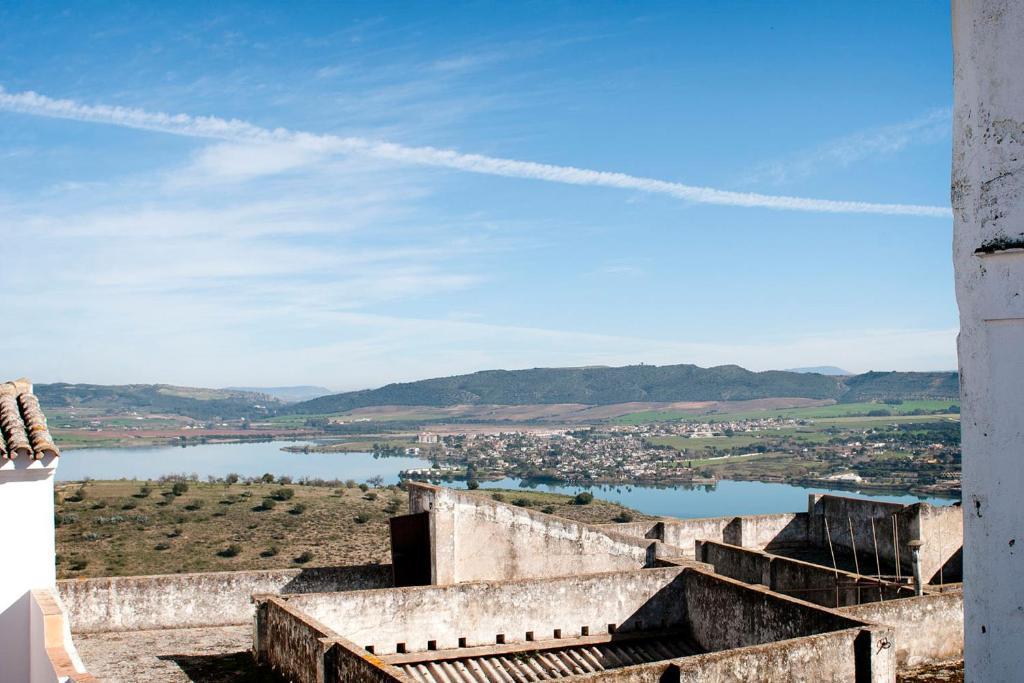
x,y
836,410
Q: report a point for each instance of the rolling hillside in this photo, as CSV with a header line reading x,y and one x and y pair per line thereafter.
x,y
200,404
641,383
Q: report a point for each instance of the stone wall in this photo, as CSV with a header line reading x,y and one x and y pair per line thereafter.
x,y
290,642
130,603
940,528
477,614
929,628
825,657
750,531
811,582
345,662
477,539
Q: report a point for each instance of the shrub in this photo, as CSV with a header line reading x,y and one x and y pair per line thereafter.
x,y
269,552
195,505
179,488
267,504
162,546
231,551
394,505
297,509
583,498
283,493
371,495
472,484
129,505
364,487
522,502
173,533
78,564
99,505
623,517
304,557
498,497
284,479
362,518
548,509
350,483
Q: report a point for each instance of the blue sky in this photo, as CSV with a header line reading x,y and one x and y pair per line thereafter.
x,y
295,230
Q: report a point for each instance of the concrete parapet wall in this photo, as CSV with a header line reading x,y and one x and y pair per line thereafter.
x,y
928,628
481,612
477,539
208,599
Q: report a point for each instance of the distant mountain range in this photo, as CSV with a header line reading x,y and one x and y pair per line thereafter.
x,y
301,392
643,383
822,370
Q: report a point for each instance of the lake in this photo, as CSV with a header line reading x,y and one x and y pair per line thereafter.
x,y
255,459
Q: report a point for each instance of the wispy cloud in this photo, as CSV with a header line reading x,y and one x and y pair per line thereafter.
x,y
236,130
841,152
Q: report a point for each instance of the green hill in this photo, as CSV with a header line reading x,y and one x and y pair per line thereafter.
x,y
200,404
648,383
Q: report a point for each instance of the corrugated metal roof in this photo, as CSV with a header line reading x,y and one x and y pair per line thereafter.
x,y
527,666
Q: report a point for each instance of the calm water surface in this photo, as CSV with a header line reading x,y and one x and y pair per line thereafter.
x,y
255,459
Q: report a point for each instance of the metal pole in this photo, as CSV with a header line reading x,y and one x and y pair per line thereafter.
x,y
878,562
828,534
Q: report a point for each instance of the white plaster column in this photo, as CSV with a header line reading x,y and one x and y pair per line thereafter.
x,y
988,209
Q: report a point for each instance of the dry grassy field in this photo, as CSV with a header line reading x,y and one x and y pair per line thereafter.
x,y
121,528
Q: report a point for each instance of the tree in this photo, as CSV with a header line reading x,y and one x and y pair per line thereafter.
x,y
179,488
472,484
583,498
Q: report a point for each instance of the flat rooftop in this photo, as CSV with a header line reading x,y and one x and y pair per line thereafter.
x,y
216,654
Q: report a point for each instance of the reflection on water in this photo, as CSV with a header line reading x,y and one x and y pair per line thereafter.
x,y
255,459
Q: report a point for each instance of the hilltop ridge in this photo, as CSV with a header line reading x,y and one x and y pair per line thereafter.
x,y
639,383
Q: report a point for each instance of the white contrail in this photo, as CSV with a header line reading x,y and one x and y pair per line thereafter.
x,y
241,131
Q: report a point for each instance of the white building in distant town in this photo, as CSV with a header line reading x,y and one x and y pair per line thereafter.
x,y
427,437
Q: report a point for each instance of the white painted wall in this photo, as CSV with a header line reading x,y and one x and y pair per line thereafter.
x,y
27,544
988,205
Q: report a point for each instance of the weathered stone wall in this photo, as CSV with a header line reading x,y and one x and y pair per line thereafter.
x,y
826,657
723,613
928,628
939,528
480,612
477,539
345,662
750,531
209,599
290,642
811,582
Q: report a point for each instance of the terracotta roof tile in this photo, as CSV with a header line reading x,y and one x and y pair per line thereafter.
x,y
23,431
